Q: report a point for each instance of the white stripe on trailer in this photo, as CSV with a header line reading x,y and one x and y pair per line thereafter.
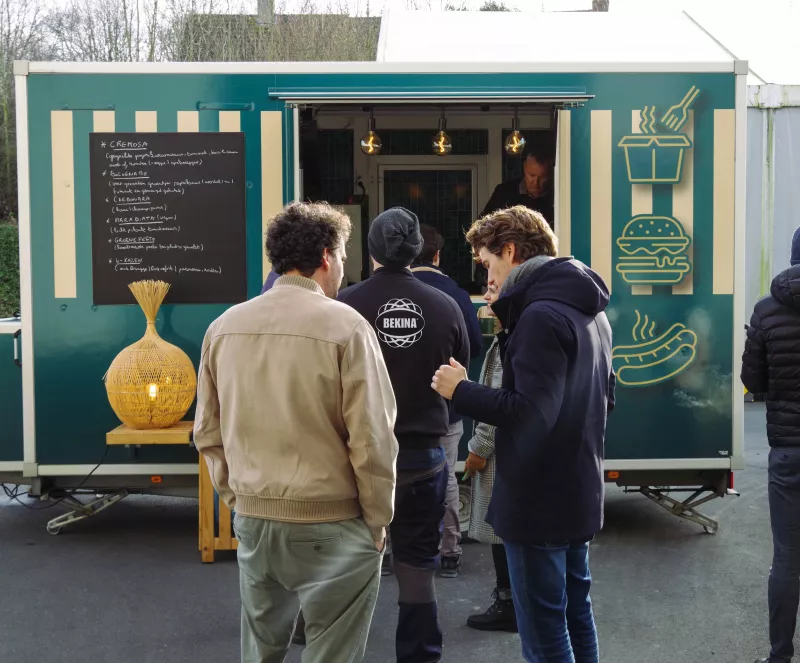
x,y
25,281
601,195
641,199
63,173
683,207
129,469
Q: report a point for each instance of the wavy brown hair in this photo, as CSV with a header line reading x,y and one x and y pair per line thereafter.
x,y
299,234
526,229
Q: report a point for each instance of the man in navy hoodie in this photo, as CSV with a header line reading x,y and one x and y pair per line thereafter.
x,y
418,328
426,269
550,414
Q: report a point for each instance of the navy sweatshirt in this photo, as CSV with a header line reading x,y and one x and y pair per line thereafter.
x,y
558,387
419,328
436,278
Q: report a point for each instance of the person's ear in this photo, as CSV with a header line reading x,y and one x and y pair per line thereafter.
x,y
509,251
326,260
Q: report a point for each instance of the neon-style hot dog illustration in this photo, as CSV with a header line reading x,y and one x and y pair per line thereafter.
x,y
654,359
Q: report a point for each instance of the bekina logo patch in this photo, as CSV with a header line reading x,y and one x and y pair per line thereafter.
x,y
399,323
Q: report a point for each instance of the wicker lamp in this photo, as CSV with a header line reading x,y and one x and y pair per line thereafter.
x,y
152,383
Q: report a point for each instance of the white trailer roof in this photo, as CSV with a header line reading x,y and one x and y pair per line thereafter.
x,y
576,41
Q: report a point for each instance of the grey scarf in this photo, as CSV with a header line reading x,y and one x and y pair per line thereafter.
x,y
521,271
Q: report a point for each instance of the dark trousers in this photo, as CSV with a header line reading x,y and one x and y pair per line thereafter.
x,y
416,532
501,567
550,585
784,577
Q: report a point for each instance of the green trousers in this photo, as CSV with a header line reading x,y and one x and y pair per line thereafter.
x,y
331,570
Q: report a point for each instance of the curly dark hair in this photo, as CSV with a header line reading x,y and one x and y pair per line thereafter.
x,y
298,235
526,229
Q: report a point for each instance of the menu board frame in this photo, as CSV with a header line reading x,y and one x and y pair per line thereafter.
x,y
170,207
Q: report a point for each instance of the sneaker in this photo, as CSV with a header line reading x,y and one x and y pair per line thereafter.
x,y
386,565
449,567
499,617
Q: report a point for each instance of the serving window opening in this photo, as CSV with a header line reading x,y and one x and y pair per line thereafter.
x,y
441,162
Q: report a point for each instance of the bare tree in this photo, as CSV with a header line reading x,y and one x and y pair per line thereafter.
x,y
106,30
21,37
600,5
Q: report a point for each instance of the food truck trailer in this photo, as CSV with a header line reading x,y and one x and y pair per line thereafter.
x,y
172,171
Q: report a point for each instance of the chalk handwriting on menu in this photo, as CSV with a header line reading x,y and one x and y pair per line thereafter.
x,y
169,206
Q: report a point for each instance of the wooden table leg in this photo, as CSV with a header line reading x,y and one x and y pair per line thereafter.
x,y
206,513
224,526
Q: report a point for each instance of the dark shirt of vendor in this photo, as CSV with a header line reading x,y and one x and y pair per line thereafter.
x,y
534,190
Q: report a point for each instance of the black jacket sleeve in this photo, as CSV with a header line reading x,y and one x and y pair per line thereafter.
x,y
495,202
755,375
539,365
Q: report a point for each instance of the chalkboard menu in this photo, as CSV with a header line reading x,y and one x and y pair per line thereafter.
x,y
169,207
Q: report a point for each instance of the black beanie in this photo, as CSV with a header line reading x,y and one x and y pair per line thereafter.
x,y
394,238
795,257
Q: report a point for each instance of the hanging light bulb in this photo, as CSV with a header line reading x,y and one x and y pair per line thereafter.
x,y
515,143
371,143
442,145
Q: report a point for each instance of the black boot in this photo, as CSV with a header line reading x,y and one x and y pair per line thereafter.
x,y
499,617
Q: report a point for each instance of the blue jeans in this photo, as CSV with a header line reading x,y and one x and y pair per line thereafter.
x,y
416,532
784,577
550,585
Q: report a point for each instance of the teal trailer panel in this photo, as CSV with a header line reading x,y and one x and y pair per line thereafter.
x,y
682,409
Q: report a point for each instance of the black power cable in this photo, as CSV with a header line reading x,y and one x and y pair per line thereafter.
x,y
14,494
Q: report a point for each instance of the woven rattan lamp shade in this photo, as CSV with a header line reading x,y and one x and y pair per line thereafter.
x,y
152,383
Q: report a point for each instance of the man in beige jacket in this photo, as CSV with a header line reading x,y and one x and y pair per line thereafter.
x,y
295,417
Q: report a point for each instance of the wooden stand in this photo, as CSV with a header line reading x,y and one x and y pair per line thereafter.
x,y
181,434
209,542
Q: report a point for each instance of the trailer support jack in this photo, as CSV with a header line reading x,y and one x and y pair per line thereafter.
x,y
687,508
82,510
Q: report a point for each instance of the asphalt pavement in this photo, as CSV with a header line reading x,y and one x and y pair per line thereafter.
x,y
128,587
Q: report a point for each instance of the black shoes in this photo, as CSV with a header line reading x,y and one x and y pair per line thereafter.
x,y
450,567
499,617
386,564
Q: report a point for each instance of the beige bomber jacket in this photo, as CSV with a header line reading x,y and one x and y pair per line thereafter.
x,y
295,410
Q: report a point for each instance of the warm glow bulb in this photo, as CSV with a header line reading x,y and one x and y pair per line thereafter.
x,y
152,390
442,146
515,143
371,144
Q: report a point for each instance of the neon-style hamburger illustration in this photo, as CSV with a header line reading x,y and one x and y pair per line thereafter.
x,y
654,249
654,358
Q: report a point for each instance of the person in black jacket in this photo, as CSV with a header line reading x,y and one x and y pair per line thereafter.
x,y
771,365
418,328
535,189
426,269
550,414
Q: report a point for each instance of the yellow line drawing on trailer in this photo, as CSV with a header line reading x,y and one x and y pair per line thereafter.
x,y
654,250
654,359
